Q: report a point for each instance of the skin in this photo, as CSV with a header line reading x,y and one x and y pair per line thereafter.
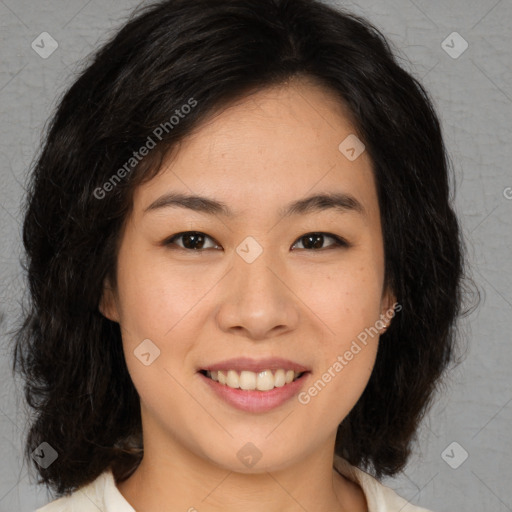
x,y
300,303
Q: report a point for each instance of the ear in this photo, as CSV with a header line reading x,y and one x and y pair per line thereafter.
x,y
388,310
108,303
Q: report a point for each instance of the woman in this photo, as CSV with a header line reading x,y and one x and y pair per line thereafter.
x,y
244,267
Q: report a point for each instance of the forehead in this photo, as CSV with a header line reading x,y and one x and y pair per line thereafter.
x,y
271,147
297,122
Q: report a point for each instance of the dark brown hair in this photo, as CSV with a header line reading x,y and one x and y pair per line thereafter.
x,y
174,53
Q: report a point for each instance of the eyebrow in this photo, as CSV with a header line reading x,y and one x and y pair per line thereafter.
x,y
338,201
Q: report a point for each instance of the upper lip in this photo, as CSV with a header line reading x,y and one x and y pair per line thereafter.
x,y
256,365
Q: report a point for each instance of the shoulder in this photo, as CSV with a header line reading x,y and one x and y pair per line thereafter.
x,y
380,498
101,494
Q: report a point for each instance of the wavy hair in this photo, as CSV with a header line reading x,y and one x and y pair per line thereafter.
x,y
70,356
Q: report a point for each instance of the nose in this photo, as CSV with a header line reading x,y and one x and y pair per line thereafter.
x,y
258,299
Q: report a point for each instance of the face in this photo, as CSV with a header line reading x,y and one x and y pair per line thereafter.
x,y
254,281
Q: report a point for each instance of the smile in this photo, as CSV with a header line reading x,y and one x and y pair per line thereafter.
x,y
254,400
247,380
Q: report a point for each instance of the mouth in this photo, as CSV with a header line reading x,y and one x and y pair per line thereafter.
x,y
255,385
247,380
258,391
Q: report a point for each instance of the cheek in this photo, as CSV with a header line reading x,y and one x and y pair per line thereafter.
x,y
156,295
347,299
346,360
159,303
348,304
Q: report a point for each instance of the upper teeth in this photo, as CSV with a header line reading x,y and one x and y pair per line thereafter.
x,y
262,381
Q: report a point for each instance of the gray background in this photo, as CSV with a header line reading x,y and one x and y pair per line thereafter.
x,y
473,94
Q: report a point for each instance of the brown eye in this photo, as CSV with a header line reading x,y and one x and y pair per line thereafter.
x,y
316,240
195,241
191,240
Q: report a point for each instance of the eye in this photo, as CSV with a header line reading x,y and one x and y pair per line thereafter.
x,y
315,240
195,241
192,240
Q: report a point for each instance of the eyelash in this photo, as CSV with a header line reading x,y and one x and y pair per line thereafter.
x,y
339,242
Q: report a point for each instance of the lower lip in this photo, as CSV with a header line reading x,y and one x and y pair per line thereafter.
x,y
256,401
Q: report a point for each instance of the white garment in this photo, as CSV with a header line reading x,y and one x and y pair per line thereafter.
x,y
102,494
